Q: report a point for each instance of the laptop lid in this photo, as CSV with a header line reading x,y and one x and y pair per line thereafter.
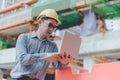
x,y
70,44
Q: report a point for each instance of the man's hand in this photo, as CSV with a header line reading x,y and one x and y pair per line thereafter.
x,y
64,58
51,57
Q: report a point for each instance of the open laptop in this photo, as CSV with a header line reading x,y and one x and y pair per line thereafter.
x,y
70,44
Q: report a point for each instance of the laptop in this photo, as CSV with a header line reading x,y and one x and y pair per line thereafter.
x,y
71,44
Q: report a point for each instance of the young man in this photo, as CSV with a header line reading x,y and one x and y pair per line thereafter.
x,y
32,49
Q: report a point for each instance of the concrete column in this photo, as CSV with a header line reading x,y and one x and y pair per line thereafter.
x,y
88,62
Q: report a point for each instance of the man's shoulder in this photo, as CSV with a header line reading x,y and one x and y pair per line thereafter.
x,y
51,42
24,35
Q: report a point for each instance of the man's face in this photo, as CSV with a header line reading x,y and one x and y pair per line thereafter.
x,y
47,26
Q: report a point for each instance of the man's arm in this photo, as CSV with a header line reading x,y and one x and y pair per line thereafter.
x,y
23,56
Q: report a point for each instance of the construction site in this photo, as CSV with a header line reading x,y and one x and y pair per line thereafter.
x,y
95,22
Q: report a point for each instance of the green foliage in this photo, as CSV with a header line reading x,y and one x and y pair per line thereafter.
x,y
3,43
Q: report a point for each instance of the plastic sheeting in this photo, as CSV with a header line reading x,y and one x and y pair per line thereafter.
x,y
89,23
45,2
108,10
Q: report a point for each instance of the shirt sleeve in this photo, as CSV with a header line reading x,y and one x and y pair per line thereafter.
x,y
58,65
22,54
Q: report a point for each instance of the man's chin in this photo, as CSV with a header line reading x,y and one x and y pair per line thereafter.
x,y
48,35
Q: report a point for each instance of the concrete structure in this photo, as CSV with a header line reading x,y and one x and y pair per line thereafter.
x,y
99,44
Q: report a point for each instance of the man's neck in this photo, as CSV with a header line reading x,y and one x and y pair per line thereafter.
x,y
40,35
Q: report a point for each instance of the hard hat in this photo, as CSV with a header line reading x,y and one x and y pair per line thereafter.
x,y
51,13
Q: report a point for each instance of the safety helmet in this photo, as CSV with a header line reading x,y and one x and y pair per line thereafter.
x,y
51,13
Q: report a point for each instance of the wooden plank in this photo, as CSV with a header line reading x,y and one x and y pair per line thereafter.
x,y
17,24
13,7
30,2
17,6
102,59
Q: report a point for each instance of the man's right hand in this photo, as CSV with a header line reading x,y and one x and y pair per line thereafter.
x,y
64,58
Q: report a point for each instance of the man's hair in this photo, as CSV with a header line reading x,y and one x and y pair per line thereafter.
x,y
44,18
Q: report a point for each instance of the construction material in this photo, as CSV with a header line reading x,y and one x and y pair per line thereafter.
x,y
13,25
17,6
13,7
102,59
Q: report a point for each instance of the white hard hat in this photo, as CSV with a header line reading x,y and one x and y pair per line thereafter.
x,y
51,13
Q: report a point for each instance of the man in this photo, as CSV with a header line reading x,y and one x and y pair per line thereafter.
x,y
32,49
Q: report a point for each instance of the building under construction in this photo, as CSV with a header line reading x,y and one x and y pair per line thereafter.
x,y
99,51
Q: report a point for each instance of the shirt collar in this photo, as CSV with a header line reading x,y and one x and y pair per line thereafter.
x,y
34,35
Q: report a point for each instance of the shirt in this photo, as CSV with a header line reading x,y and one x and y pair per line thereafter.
x,y
30,52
